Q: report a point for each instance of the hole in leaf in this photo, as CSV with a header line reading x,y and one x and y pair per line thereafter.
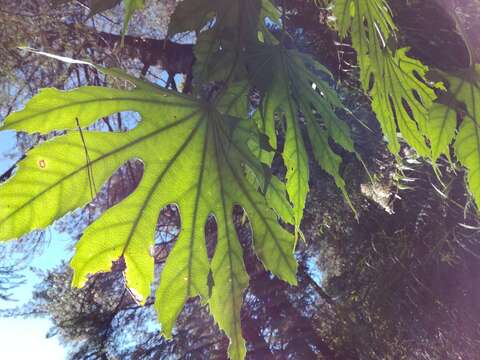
x,y
168,226
416,95
392,106
121,184
211,236
242,226
408,109
371,82
118,122
166,234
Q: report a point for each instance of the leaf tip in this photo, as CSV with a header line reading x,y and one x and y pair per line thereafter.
x,y
78,281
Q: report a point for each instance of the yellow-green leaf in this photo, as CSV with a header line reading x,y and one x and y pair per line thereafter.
x,y
392,78
441,126
193,157
465,88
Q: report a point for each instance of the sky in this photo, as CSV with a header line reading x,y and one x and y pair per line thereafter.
x,y
25,339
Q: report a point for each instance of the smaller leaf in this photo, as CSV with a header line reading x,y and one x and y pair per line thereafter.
x,y
467,149
465,88
327,158
441,126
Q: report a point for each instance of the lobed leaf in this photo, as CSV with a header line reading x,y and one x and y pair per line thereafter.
x,y
464,88
393,79
199,167
441,127
293,92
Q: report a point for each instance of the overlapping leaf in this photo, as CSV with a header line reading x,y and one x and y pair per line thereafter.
x,y
234,102
441,126
292,92
465,89
224,29
399,97
193,156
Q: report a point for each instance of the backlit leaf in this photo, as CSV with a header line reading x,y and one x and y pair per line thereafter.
x,y
465,88
193,157
294,93
392,78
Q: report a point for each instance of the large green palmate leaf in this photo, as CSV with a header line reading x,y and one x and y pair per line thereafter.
x,y
193,157
399,97
464,88
292,91
284,76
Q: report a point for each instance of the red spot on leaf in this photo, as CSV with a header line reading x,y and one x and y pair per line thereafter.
x,y
42,164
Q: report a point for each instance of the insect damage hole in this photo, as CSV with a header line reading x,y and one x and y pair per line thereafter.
x,y
42,164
